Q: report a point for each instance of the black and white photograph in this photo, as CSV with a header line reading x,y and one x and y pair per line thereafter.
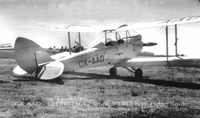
x,y
99,59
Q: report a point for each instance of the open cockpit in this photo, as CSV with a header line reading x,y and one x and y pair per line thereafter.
x,y
120,37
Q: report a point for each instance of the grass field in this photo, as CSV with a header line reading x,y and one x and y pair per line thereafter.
x,y
162,93
7,54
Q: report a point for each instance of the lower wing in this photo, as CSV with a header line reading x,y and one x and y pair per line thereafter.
x,y
160,61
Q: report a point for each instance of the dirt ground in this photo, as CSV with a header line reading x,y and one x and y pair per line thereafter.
x,y
163,93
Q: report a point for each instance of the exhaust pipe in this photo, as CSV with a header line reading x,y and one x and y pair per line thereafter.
x,y
149,44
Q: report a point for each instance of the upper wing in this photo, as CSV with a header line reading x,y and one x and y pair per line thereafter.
x,y
83,28
99,28
132,26
177,21
71,28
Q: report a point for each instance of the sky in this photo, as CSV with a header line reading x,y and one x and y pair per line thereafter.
x,y
76,11
17,13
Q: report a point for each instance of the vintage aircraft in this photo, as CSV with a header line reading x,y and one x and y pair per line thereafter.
x,y
120,49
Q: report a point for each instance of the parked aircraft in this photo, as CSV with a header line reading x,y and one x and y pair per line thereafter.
x,y
6,46
120,49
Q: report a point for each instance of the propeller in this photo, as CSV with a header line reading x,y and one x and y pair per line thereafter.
x,y
124,25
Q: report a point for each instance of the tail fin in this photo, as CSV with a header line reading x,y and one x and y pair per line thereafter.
x,y
33,59
29,55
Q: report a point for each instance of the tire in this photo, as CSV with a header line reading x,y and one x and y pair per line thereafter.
x,y
138,73
113,71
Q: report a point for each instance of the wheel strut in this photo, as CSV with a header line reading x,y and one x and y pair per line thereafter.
x,y
113,71
138,72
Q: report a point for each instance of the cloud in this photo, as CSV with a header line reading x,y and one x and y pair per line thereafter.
x,y
75,11
8,33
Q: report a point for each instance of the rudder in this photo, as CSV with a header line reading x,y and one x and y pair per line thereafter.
x,y
29,55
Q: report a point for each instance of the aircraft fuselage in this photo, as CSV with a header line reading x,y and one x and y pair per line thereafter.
x,y
109,55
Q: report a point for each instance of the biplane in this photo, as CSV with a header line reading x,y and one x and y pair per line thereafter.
x,y
119,50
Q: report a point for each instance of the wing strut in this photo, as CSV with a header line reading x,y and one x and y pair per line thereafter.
x,y
176,41
37,68
167,46
79,38
105,36
69,41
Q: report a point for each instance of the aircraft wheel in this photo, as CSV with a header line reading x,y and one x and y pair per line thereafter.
x,y
113,71
138,73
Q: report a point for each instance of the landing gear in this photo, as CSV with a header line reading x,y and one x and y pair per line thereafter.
x,y
138,73
113,71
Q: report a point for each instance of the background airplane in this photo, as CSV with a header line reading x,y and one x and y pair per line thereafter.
x,y
7,51
6,46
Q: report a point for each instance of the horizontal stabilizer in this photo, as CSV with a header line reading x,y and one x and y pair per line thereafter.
x,y
19,71
51,71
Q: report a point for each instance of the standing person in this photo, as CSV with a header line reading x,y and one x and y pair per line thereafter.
x,y
62,49
54,49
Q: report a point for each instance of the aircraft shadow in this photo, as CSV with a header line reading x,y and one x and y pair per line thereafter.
x,y
86,76
2,81
140,80
165,83
31,79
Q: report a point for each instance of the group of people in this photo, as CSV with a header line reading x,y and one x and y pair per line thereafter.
x,y
58,50
65,49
